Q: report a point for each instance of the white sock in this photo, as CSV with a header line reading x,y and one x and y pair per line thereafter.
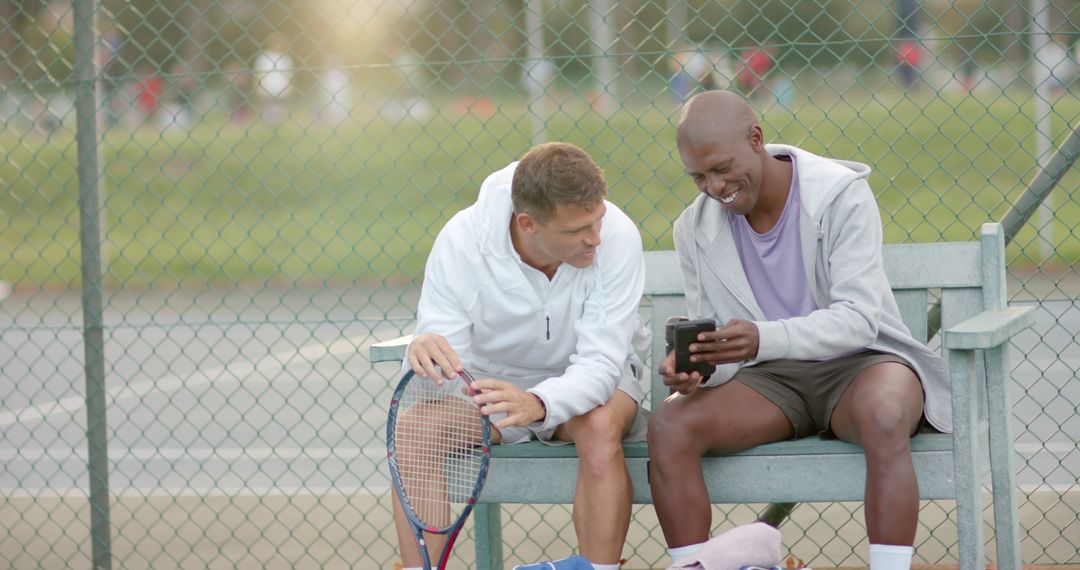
x,y
606,566
681,552
890,557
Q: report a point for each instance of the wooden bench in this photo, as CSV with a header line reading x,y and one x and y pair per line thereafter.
x,y
969,280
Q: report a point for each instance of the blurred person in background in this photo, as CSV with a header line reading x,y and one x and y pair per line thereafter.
x,y
756,64
274,70
909,50
148,91
238,94
1055,66
908,58
692,70
335,97
184,84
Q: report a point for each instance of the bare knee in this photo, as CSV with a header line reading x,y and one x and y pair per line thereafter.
x,y
884,428
598,436
668,432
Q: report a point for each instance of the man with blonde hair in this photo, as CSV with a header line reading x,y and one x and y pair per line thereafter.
x,y
535,289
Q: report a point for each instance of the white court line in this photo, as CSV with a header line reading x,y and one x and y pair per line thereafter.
x,y
234,371
232,491
373,491
312,453
1055,447
197,454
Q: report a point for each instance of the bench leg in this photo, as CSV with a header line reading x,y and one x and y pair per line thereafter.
x,y
776,513
487,527
1002,460
966,457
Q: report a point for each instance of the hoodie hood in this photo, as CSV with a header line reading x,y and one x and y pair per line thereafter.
x,y
493,209
821,180
830,175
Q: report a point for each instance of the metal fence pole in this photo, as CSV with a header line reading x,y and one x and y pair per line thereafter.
x,y
90,245
676,24
1048,177
536,67
1041,78
602,33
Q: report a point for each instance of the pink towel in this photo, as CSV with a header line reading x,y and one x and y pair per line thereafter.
x,y
756,544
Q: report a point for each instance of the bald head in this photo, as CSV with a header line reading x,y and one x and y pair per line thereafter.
x,y
714,114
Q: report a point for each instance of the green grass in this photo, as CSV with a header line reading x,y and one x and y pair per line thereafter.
x,y
363,201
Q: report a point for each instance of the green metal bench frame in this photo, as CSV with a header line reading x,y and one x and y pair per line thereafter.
x,y
977,325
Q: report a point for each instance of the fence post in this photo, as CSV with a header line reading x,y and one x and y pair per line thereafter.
x,y
90,245
602,36
1040,79
535,76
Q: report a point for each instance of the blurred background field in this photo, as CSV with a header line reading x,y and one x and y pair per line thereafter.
x,y
221,202
267,176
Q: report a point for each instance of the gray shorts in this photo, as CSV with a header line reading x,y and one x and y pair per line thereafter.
x,y
807,391
630,383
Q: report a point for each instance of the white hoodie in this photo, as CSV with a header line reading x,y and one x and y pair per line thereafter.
x,y
567,340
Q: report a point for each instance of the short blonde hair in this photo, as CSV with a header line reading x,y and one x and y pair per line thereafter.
x,y
555,173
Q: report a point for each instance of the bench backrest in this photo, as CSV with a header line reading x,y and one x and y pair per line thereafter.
x,y
965,277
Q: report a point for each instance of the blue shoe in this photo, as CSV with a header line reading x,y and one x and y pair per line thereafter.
x,y
572,563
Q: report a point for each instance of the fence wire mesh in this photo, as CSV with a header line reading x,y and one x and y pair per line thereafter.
x,y
267,177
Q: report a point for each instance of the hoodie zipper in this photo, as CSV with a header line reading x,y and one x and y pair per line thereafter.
x,y
547,318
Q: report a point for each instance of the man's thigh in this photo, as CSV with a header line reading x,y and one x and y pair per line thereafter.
x,y
618,415
729,417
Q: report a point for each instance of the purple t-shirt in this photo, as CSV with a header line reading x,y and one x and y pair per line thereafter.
x,y
773,261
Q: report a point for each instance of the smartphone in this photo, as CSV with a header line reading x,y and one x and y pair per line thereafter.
x,y
685,333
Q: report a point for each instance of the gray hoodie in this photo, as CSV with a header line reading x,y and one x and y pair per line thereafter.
x,y
842,243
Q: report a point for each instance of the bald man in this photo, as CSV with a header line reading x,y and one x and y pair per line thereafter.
x,y
782,248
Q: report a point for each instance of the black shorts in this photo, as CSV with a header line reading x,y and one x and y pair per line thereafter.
x,y
806,391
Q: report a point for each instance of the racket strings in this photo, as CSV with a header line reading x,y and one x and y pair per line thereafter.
x,y
439,433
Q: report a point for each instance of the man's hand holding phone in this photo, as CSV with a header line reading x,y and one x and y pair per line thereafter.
x,y
696,347
736,341
681,382
681,371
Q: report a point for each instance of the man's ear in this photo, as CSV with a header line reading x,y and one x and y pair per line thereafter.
x,y
526,222
757,138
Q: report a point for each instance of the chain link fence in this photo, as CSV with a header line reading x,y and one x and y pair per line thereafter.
x,y
213,207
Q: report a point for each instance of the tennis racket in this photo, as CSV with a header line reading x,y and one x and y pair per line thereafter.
x,y
438,445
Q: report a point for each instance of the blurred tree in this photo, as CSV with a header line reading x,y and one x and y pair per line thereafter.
x,y
8,40
195,17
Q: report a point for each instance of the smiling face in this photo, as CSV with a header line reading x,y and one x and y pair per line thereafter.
x,y
570,235
726,166
723,150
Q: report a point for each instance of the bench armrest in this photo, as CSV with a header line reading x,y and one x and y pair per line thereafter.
x,y
390,350
989,329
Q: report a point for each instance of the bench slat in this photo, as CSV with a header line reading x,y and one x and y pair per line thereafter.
x,y
730,479
923,442
933,265
907,265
